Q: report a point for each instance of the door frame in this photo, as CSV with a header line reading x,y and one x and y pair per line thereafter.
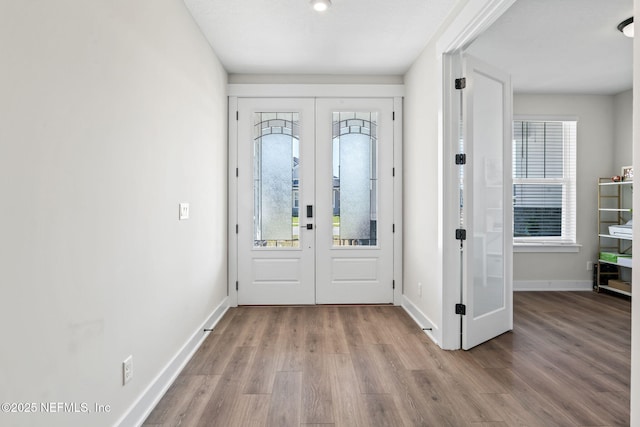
x,y
235,91
468,25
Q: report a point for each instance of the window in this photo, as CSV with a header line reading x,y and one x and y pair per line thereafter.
x,y
544,182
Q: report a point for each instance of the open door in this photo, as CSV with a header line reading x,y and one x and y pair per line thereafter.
x,y
486,203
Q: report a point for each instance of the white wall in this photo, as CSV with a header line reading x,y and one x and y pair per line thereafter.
x,y
423,256
112,112
595,158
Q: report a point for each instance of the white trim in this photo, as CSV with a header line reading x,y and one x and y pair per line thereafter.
x,y
552,285
449,203
232,202
472,21
422,320
315,90
546,247
140,410
397,201
544,118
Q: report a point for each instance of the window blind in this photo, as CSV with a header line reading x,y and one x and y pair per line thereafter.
x,y
544,181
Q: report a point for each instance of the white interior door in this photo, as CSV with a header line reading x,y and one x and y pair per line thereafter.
x,y
354,194
276,251
487,209
315,201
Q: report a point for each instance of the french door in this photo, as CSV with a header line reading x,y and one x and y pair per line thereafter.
x,y
486,203
315,200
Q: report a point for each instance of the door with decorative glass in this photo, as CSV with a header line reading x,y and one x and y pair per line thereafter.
x,y
276,262
354,193
315,201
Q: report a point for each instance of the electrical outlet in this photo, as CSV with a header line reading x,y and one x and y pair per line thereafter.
x,y
127,370
589,265
184,211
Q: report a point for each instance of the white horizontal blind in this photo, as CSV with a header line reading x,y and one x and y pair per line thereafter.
x,y
544,182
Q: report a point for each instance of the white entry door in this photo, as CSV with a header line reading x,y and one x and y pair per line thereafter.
x,y
487,203
354,193
315,201
276,251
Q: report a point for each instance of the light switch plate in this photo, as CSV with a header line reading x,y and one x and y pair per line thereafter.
x,y
127,370
184,211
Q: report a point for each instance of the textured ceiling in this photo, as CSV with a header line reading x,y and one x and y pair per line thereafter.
x,y
561,46
370,37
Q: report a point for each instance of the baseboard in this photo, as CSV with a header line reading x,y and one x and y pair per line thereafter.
x,y
141,409
421,320
552,285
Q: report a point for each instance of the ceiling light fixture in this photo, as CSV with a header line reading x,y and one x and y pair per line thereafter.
x,y
626,27
320,5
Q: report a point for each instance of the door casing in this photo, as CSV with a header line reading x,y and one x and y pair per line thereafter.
x,y
469,24
396,92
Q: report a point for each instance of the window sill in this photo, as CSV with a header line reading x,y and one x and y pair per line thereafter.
x,y
546,247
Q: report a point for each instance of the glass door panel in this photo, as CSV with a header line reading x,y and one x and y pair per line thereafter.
x,y
354,179
487,276
488,281
276,181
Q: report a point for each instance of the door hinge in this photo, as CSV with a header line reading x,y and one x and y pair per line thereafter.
x,y
236,228
461,309
237,285
461,83
237,115
393,284
394,115
461,234
393,228
461,159
237,172
393,172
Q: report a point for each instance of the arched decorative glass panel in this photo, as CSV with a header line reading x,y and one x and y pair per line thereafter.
x,y
276,180
355,190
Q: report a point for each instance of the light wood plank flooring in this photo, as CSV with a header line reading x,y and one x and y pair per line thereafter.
x,y
567,363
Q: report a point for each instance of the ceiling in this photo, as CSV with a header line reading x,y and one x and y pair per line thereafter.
x,y
561,46
369,37
548,46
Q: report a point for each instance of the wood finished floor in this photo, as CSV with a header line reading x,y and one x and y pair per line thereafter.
x,y
566,363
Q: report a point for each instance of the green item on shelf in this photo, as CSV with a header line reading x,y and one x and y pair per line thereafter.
x,y
612,257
